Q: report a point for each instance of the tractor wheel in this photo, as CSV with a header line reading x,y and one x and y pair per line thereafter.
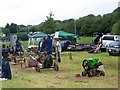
x,y
37,68
102,74
85,65
83,73
56,67
90,74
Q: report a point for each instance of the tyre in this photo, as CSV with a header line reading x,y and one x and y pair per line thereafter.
x,y
37,68
85,65
90,74
83,73
110,54
102,74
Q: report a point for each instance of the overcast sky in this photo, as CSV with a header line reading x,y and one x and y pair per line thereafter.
x,y
33,12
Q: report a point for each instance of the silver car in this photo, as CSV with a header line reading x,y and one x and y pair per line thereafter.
x,y
114,48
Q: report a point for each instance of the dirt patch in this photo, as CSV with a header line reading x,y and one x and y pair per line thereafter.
x,y
81,80
62,77
65,69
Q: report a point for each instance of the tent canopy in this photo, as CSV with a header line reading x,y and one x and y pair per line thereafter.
x,y
39,35
64,34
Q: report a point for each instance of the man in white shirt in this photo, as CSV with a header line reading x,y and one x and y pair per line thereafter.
x,y
41,45
57,44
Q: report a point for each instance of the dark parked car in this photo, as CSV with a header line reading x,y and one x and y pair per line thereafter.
x,y
114,48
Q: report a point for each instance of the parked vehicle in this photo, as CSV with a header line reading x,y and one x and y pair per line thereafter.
x,y
114,48
107,39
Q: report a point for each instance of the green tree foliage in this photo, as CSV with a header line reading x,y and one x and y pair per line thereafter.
x,y
32,29
13,28
115,28
23,29
6,30
68,25
22,35
50,24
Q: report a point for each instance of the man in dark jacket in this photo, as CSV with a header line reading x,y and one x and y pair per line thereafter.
x,y
41,45
6,71
48,44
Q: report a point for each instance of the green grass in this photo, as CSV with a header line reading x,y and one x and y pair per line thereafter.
x,y
6,43
85,40
65,77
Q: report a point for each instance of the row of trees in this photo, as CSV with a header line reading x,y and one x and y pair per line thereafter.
x,y
88,25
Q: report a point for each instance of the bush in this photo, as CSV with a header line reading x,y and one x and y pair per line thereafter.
x,y
22,35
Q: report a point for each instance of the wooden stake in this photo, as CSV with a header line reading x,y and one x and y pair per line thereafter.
x,y
70,56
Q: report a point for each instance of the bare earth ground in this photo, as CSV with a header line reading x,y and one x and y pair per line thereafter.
x,y
65,77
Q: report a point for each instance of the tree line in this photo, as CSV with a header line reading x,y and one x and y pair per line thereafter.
x,y
85,26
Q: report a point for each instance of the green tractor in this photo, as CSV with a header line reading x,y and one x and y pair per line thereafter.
x,y
91,67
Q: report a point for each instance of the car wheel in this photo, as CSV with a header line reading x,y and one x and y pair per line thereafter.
x,y
110,54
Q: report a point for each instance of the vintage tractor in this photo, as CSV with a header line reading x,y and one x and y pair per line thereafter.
x,y
92,67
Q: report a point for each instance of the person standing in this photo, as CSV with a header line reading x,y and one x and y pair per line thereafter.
x,y
41,45
57,45
48,44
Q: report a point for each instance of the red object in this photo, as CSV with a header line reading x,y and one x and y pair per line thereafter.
x,y
77,75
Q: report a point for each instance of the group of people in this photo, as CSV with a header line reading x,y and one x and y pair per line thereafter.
x,y
6,50
48,44
44,45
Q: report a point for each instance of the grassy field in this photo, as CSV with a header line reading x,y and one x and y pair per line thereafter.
x,y
65,77
85,40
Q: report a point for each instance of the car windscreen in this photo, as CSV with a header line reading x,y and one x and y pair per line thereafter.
x,y
108,38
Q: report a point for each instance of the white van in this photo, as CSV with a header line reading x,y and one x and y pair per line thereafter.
x,y
106,39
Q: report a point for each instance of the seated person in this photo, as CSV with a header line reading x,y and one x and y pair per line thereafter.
x,y
96,49
11,50
18,50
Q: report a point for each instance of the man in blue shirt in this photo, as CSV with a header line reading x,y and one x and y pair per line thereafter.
x,y
48,44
